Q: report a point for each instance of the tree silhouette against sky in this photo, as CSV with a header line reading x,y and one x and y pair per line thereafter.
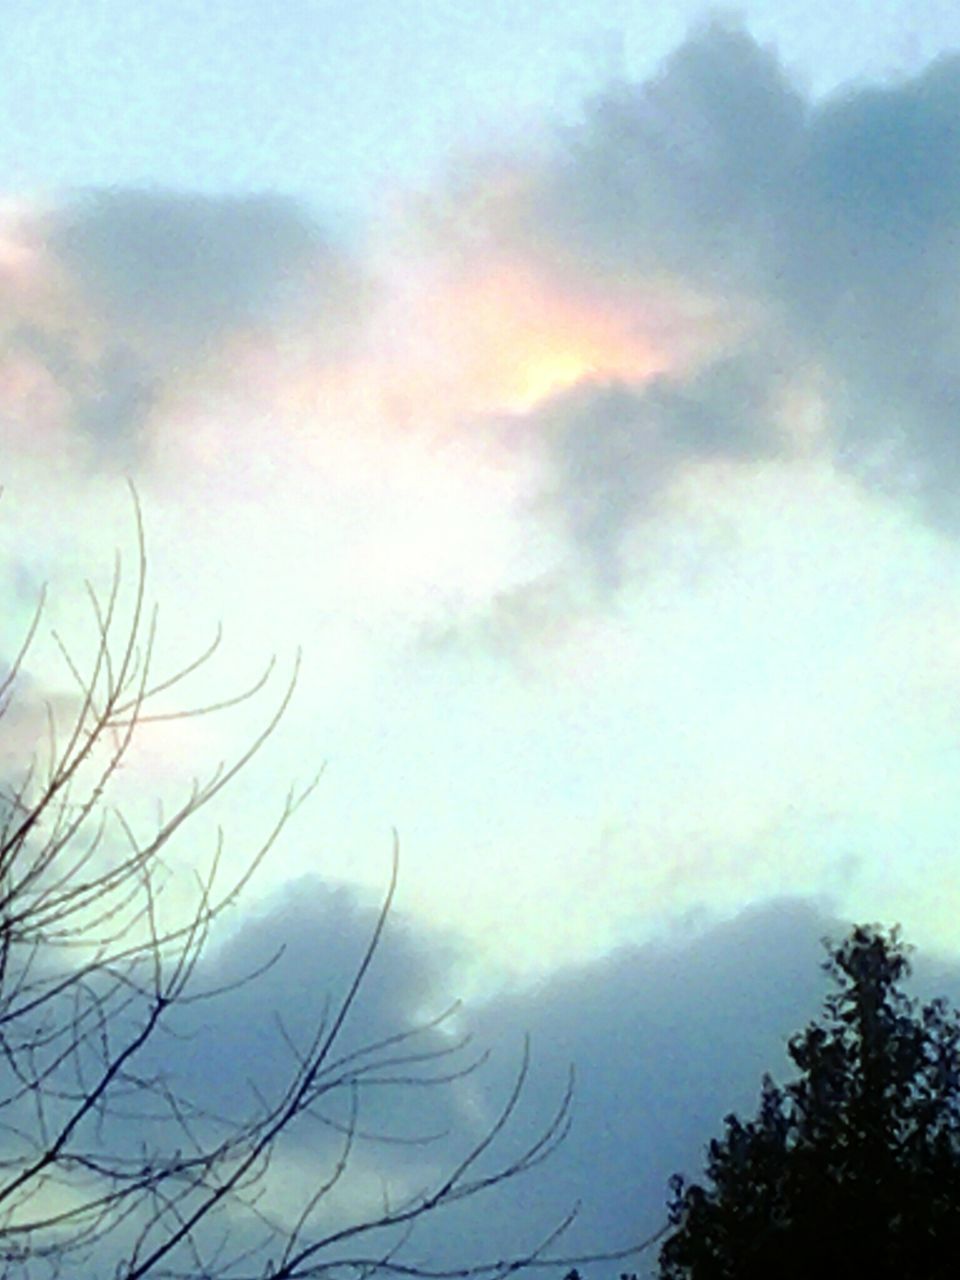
x,y
853,1168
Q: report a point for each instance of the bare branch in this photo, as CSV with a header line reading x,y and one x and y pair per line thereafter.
x,y
107,1165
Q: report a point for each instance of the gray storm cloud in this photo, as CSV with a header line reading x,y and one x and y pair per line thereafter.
x,y
870,270
822,232
616,446
685,173
164,278
834,223
185,266
666,1038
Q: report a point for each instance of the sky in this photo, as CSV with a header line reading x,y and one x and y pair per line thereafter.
x,y
574,385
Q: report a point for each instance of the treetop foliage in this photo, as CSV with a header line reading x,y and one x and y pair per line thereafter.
x,y
853,1168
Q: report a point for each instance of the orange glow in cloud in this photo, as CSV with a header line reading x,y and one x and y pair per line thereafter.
x,y
450,335
34,288
21,248
448,344
385,440
502,337
521,339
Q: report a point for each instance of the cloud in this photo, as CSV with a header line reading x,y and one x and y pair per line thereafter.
x,y
869,270
658,216
819,235
616,448
649,294
534,616
229,1054
182,266
666,1038
317,934
683,174
590,424
122,300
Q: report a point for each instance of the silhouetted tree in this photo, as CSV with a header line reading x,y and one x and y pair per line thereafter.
x,y
853,1169
106,1169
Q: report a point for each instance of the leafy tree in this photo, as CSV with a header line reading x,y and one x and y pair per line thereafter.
x,y
851,1169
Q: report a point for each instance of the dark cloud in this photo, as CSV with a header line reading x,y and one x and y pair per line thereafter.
x,y
685,173
666,1039
615,448
832,227
165,278
308,943
610,461
534,614
109,395
315,935
870,269
184,266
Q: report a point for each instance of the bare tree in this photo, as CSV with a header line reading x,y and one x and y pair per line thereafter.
x,y
105,1167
